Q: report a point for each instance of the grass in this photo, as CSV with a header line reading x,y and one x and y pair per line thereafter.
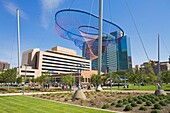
x,y
166,87
23,104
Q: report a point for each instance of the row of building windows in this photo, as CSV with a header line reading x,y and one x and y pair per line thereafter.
x,y
59,70
66,59
76,64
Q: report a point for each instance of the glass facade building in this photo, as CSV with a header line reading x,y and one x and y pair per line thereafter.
x,y
115,57
124,59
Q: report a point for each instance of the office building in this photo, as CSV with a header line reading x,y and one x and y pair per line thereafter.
x,y
109,57
57,61
164,66
4,66
124,59
116,54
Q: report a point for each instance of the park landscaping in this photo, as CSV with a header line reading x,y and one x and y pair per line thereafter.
x,y
23,104
116,101
5,89
165,87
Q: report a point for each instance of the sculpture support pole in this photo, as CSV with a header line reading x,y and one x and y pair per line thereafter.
x,y
100,37
18,35
158,55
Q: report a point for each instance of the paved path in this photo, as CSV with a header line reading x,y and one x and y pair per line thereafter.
x,y
31,93
122,91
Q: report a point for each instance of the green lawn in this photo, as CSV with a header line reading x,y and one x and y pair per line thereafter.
x,y
23,104
166,87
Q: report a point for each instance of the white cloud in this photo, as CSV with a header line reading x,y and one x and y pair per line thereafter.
x,y
48,11
11,8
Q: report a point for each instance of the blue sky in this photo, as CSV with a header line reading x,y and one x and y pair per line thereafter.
x,y
38,25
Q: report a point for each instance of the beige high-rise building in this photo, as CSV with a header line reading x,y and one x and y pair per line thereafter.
x,y
4,66
57,61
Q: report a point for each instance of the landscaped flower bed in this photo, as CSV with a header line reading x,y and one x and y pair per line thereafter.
x,y
133,102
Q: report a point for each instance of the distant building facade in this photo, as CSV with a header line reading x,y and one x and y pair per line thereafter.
x,y
164,66
124,58
4,66
108,55
56,61
115,57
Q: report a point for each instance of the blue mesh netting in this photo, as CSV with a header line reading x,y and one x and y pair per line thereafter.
x,y
82,28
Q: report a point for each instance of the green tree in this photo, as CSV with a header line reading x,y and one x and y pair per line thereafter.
x,y
135,76
104,78
9,76
19,80
115,77
148,69
96,79
68,80
132,76
27,80
165,77
44,78
33,80
150,79
121,72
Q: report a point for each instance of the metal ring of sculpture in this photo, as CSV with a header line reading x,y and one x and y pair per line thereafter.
x,y
82,28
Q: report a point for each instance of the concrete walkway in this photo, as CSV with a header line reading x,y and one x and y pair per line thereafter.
x,y
118,91
31,93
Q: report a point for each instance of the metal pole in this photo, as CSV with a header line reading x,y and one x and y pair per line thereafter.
x,y
79,77
100,37
18,35
110,82
158,55
25,78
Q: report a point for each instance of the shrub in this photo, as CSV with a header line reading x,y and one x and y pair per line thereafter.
x,y
157,106
143,108
125,99
155,111
135,99
148,103
144,100
128,108
107,100
139,97
66,99
161,98
156,99
120,101
152,100
93,103
130,100
105,106
145,96
114,103
81,101
125,102
162,103
133,104
73,99
119,105
167,101
139,102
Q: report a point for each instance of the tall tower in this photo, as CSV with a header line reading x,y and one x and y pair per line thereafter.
x,y
123,50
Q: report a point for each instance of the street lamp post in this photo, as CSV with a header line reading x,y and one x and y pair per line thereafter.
x,y
79,74
79,94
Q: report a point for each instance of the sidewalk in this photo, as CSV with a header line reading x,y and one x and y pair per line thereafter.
x,y
122,91
31,93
